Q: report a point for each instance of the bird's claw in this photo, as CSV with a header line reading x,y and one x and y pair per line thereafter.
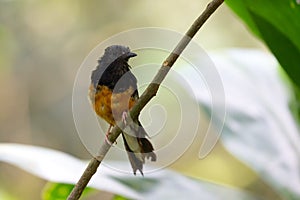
x,y
108,141
124,117
106,136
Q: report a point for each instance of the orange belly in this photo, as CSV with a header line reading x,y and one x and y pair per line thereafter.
x,y
110,106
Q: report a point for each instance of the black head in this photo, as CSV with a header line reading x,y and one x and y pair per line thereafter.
x,y
112,66
114,53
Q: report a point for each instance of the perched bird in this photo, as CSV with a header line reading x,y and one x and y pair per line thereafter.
x,y
113,91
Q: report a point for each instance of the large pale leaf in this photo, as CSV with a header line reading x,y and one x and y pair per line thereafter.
x,y
259,127
56,166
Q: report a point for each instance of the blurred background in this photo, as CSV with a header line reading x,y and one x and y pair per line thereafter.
x,y
42,46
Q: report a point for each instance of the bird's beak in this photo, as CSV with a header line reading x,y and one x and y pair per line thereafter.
x,y
131,54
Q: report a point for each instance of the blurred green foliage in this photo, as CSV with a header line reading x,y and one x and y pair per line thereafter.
x,y
60,191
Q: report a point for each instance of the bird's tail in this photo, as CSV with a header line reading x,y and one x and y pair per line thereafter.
x,y
138,147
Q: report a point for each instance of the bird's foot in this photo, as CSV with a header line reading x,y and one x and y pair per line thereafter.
x,y
107,134
124,117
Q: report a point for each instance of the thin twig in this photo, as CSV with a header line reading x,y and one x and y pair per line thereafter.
x,y
148,94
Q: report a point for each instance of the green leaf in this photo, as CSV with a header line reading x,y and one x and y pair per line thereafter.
x,y
60,191
5,196
240,8
277,23
259,128
57,166
117,197
285,50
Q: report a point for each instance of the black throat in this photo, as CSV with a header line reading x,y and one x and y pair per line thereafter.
x,y
116,76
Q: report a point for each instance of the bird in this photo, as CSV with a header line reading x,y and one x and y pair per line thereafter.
x,y
112,92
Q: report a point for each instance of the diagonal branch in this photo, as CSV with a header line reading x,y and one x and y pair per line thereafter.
x,y
148,94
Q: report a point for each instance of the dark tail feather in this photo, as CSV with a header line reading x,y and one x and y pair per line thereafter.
x,y
137,156
147,149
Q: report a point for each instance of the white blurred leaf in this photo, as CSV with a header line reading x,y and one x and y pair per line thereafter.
x,y
57,166
259,128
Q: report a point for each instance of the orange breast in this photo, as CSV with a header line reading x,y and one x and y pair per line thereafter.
x,y
110,106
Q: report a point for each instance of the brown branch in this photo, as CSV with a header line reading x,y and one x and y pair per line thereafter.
x,y
148,94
